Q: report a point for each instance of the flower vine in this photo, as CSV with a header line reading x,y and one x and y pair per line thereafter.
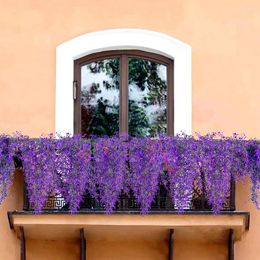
x,y
107,167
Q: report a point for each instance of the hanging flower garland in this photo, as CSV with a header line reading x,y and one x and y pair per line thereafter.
x,y
38,160
105,168
184,171
110,157
73,169
145,161
254,173
6,166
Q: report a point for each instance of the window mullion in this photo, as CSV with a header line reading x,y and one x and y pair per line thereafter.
x,y
170,99
123,118
77,107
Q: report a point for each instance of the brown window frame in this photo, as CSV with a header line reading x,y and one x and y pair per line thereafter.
x,y
123,89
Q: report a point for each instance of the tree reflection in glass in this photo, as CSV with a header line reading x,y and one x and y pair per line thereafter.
x,y
100,97
147,97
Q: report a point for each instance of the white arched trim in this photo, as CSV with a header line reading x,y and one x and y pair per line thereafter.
x,y
117,39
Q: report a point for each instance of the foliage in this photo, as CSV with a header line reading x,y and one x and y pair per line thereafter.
x,y
107,167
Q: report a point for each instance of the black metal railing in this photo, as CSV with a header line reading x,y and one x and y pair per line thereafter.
x,y
127,203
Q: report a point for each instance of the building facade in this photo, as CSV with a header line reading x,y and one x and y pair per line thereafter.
x,y
210,53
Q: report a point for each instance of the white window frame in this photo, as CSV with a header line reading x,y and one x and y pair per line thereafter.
x,y
122,39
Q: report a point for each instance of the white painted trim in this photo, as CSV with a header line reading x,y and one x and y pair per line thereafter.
x,y
117,39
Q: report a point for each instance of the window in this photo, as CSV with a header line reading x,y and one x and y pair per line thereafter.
x,y
124,91
122,39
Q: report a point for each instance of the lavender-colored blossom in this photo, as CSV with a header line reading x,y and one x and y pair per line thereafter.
x,y
254,173
73,167
110,157
145,160
38,158
215,169
6,166
185,173
105,168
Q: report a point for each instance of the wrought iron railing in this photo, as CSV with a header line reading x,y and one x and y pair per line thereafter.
x,y
128,204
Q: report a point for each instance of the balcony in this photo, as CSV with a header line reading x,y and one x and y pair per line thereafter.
x,y
127,203
197,218
163,215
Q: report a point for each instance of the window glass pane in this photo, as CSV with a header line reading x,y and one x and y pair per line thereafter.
x,y
100,97
147,97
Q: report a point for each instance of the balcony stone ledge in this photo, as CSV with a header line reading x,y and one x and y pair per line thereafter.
x,y
189,225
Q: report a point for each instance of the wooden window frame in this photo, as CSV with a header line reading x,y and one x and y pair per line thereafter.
x,y
124,55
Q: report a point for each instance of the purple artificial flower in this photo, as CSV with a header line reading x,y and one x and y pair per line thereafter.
x,y
70,167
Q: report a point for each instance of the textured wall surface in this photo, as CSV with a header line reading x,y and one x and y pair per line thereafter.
x,y
224,37
9,243
225,40
52,250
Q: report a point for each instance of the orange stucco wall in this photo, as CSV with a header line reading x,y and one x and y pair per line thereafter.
x,y
52,250
125,249
225,40
9,243
248,247
224,36
156,250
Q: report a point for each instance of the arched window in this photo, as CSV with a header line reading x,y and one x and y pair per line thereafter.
x,y
154,47
123,91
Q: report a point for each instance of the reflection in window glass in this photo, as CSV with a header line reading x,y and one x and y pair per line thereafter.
x,y
147,96
100,97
